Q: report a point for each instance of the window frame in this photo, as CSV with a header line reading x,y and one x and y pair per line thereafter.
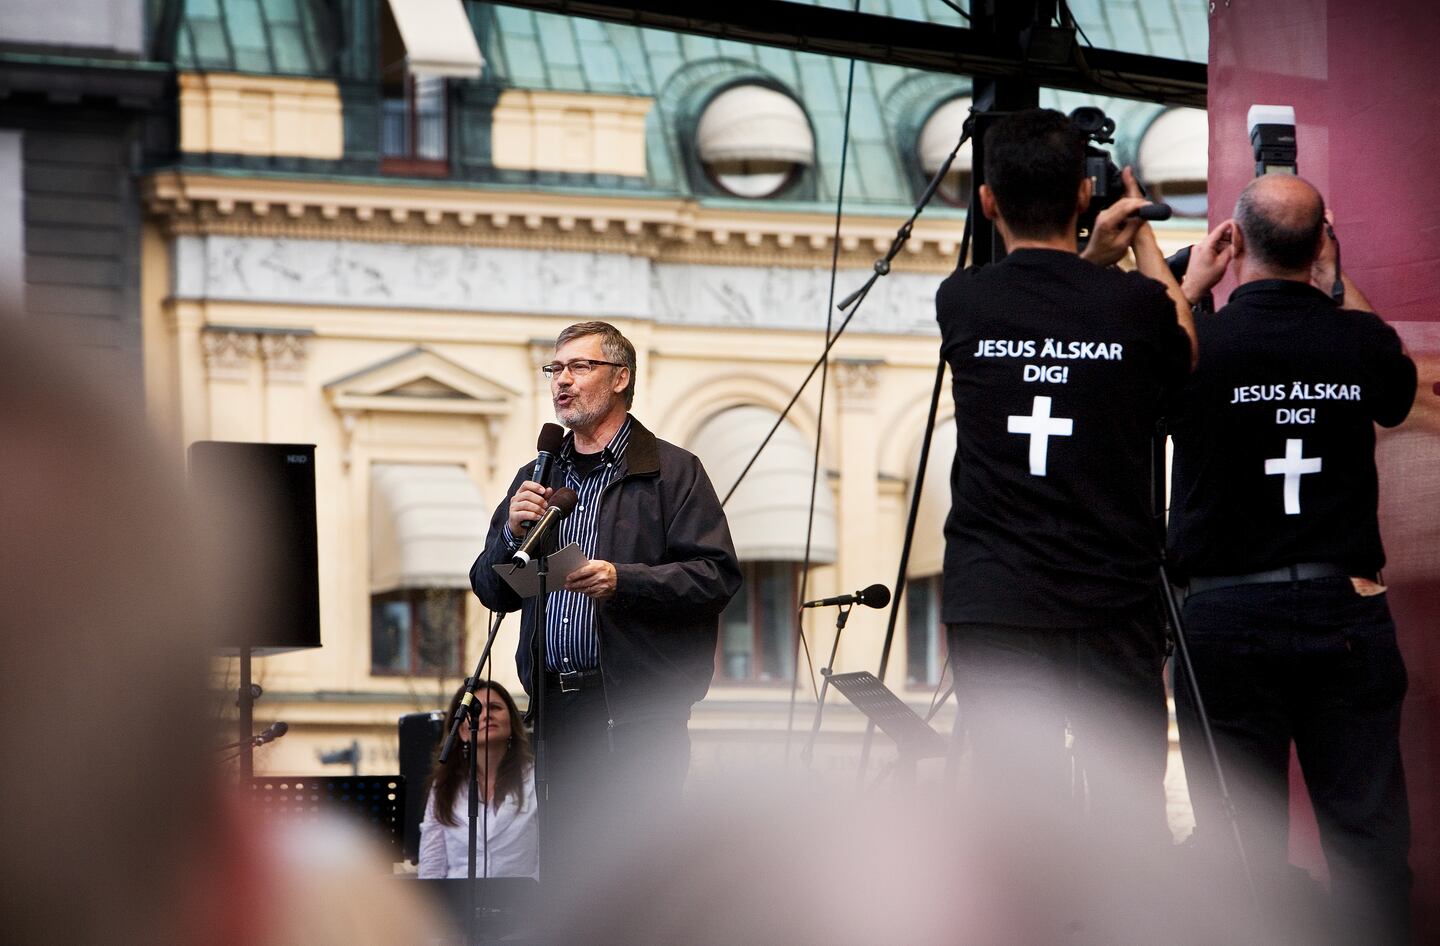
x,y
409,163
934,592
757,642
414,598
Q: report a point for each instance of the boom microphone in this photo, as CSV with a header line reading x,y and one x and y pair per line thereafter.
x,y
876,596
562,502
551,437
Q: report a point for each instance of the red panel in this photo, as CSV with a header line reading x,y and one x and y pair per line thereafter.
x,y
1363,78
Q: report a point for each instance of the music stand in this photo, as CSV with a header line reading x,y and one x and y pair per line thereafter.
x,y
913,736
376,800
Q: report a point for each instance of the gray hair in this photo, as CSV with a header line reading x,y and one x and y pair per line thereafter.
x,y
617,348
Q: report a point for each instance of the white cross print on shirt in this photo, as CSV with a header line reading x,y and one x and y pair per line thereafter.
x,y
1292,466
1041,427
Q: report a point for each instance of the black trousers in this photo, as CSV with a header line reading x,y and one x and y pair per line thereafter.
x,y
1067,740
1315,664
605,785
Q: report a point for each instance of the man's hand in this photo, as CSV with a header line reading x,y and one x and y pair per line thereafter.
x,y
527,505
1209,260
595,579
1115,228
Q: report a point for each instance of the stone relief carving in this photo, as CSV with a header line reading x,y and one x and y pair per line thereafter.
x,y
338,273
330,272
778,297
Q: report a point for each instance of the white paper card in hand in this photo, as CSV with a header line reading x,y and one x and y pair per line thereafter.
x,y
526,581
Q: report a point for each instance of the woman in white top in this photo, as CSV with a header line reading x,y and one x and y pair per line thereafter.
x,y
507,839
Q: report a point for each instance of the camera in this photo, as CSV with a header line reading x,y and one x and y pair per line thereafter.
x,y
1109,185
1272,138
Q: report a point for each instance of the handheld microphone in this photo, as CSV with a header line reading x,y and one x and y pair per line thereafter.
x,y
876,596
551,437
562,502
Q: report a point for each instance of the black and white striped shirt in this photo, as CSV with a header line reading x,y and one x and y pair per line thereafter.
x,y
571,642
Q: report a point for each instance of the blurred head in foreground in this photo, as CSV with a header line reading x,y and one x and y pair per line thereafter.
x,y
118,827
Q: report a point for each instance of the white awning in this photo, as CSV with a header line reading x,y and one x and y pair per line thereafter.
x,y
427,524
927,551
753,123
438,38
769,512
942,129
1176,147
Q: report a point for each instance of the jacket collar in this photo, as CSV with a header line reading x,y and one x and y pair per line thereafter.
x,y
642,457
639,455
1283,291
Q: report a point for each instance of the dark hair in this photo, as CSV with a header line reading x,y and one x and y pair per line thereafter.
x,y
616,347
1034,163
445,780
1280,231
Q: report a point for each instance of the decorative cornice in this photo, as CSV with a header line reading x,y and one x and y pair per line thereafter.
x,y
663,229
857,380
229,353
285,356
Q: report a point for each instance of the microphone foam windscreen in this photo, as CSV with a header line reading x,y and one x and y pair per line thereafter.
x,y
877,596
551,437
565,498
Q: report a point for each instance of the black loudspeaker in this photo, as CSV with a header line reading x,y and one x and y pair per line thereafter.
x,y
420,735
257,501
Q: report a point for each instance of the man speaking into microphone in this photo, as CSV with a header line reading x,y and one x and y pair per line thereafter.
x,y
630,636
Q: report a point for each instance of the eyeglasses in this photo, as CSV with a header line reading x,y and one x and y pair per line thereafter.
x,y
580,367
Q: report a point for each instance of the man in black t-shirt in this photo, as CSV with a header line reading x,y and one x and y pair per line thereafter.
x,y
1273,523
1060,367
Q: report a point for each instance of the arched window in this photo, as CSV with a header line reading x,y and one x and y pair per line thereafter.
x,y
1174,160
925,650
754,141
768,516
937,139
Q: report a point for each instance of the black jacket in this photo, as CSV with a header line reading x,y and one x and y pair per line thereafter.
x,y
662,527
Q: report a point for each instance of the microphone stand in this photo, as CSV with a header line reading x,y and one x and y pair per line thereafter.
x,y
807,754
537,704
462,715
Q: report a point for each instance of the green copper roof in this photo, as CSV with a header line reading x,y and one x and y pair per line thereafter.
x,y
272,37
525,49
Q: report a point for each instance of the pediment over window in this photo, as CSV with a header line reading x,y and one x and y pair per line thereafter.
x,y
420,381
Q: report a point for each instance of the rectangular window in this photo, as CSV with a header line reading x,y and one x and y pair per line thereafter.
x,y
414,120
420,631
925,650
757,630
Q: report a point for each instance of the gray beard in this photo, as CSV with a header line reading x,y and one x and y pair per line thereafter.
x,y
579,419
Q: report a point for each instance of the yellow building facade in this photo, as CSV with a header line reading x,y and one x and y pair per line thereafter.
x,y
398,321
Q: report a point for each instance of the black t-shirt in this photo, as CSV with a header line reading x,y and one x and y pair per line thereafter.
x,y
1275,439
1060,369
587,463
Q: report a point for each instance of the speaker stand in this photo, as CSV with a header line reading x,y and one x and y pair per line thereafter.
x,y
246,701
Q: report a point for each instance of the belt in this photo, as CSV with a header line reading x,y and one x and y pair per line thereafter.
x,y
572,681
1302,571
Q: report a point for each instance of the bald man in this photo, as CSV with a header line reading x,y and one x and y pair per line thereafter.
x,y
1273,525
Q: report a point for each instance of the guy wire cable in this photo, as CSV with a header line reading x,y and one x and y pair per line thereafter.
x,y
851,303
820,418
898,598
